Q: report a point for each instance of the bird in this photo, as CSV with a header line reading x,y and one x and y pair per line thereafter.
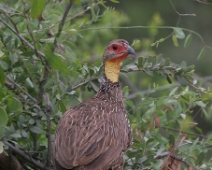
x,y
93,135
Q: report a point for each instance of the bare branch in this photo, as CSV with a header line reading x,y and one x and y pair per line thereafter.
x,y
61,25
46,71
173,156
188,133
83,83
48,127
26,157
148,91
19,87
193,15
21,38
42,83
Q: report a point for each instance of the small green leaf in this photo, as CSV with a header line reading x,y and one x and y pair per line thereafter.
x,y
153,44
161,40
171,140
35,129
179,33
187,40
1,147
3,120
37,8
183,116
174,39
55,61
3,117
148,72
2,76
140,62
168,79
201,54
115,1
200,158
4,65
13,105
167,62
200,103
183,64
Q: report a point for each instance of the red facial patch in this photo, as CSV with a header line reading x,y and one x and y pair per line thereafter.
x,y
118,48
119,58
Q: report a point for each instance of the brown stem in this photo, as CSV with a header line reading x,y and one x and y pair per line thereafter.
x,y
48,132
26,157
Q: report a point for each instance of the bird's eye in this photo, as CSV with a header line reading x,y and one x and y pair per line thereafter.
x,y
115,47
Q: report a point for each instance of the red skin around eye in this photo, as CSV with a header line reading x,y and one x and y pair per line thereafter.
x,y
119,49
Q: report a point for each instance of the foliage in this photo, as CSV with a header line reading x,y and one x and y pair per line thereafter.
x,y
47,65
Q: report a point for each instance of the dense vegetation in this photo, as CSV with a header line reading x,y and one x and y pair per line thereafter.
x,y
50,60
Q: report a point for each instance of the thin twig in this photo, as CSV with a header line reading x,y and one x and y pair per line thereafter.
x,y
173,156
188,133
26,157
148,91
46,71
19,87
42,83
61,25
19,36
14,24
48,128
193,15
83,83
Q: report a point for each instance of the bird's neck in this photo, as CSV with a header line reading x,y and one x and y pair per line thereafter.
x,y
112,69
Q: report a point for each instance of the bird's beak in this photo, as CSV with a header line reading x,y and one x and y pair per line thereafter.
x,y
130,50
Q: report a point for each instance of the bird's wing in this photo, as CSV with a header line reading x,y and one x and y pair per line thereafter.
x,y
87,135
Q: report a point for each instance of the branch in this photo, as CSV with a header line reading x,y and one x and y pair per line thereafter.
x,y
19,87
173,156
83,83
21,38
46,71
61,25
180,13
42,83
26,157
144,92
48,128
188,133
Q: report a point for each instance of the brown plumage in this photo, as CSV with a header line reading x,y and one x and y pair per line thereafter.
x,y
94,134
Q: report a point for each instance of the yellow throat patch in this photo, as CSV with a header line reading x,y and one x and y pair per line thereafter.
x,y
112,68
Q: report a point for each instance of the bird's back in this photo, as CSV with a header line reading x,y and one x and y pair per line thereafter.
x,y
93,135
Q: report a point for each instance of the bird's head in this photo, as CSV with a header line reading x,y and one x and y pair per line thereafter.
x,y
116,51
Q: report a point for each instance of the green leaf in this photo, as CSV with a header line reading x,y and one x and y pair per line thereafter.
x,y
55,60
1,147
3,120
37,8
187,40
3,117
167,62
201,54
179,33
148,72
140,62
2,76
115,1
3,64
13,105
200,158
168,79
171,140
200,103
35,129
174,39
